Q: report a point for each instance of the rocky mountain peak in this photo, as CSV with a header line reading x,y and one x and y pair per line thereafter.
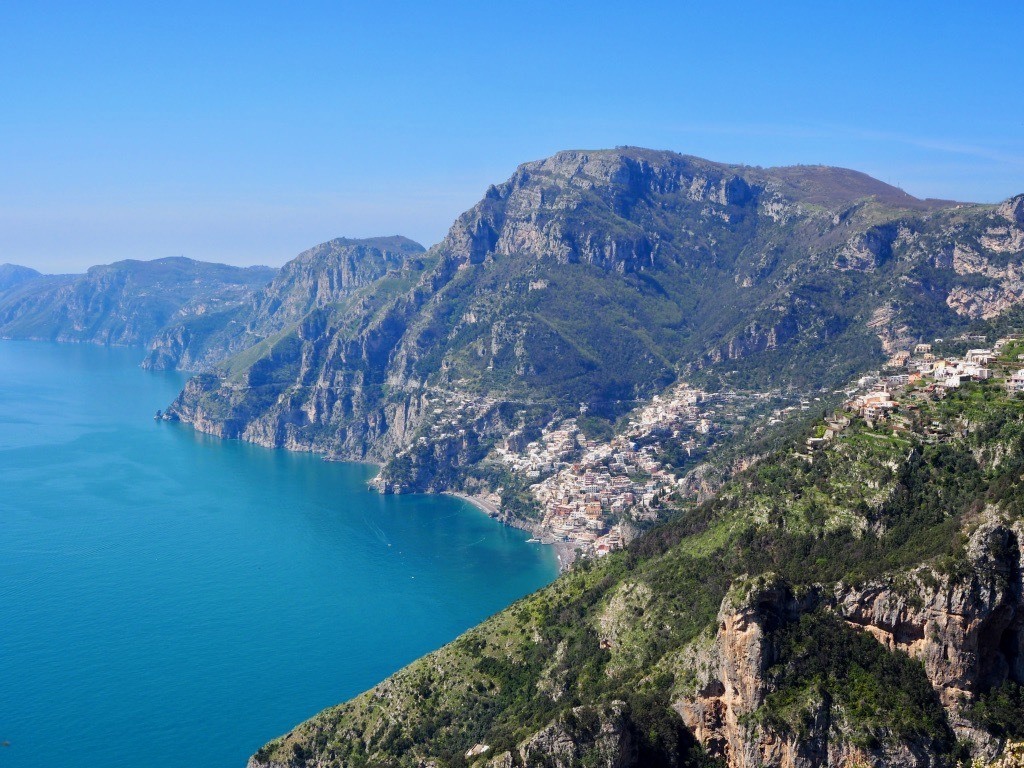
x,y
611,208
329,271
597,207
13,274
394,247
1013,210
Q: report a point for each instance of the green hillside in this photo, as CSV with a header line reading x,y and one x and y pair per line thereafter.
x,y
619,661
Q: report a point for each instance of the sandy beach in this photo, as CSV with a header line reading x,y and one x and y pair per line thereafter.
x,y
477,501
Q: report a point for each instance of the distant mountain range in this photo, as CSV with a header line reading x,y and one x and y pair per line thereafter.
x,y
588,280
128,302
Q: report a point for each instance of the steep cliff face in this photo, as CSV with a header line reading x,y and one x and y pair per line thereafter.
x,y
967,631
980,613
595,279
314,280
320,384
128,302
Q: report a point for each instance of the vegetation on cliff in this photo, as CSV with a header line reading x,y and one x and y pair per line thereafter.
x,y
648,632
594,280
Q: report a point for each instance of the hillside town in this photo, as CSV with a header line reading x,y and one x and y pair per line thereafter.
x,y
588,489
591,492
892,396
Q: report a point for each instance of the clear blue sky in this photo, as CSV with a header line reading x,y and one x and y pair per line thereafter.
x,y
248,132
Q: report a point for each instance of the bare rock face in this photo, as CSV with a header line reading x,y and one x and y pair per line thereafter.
x,y
326,274
1013,210
966,628
991,255
585,736
968,632
735,685
869,250
542,211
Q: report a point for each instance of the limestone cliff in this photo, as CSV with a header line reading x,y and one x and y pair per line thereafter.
x,y
966,629
595,279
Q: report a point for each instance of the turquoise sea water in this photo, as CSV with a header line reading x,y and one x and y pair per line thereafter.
x,y
171,600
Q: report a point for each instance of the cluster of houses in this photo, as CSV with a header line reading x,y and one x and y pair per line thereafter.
x,y
933,375
453,414
915,374
541,457
584,487
946,372
579,501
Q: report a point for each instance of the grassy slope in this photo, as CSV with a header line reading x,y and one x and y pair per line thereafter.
x,y
868,504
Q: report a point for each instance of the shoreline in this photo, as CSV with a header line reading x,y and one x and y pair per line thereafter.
x,y
565,551
479,502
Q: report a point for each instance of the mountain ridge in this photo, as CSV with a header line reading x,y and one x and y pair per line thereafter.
x,y
599,278
317,277
121,303
825,589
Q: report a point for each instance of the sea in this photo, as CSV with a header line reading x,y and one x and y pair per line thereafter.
x,y
173,600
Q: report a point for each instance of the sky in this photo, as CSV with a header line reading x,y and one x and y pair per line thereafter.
x,y
245,133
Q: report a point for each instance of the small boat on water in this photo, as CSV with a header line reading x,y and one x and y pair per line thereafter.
x,y
533,541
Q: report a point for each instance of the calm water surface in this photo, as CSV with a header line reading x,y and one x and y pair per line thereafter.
x,y
169,599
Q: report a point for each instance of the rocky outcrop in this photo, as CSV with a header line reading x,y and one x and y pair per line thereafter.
x,y
1013,210
583,736
990,256
967,629
868,251
325,275
734,682
985,303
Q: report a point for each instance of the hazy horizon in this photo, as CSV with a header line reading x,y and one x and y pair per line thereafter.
x,y
246,135
287,257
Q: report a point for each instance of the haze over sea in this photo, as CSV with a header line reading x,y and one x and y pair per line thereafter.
x,y
171,599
